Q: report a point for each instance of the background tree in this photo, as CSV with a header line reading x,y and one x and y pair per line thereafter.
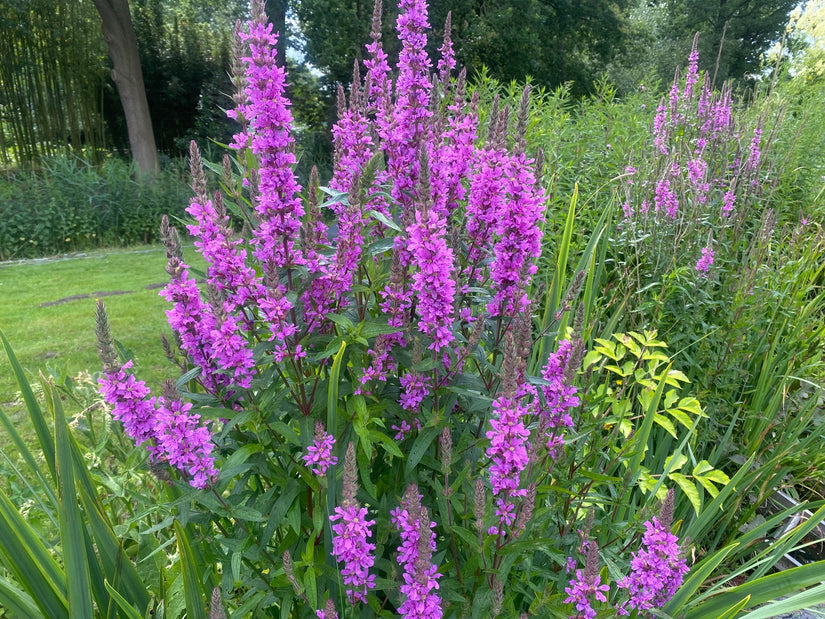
x,y
554,41
128,77
51,76
750,27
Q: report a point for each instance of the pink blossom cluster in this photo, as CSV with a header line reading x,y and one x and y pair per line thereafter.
x,y
319,455
350,547
174,433
420,575
704,263
509,456
657,568
559,397
580,591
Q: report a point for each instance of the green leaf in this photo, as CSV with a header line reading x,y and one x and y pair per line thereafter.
x,y
639,443
311,587
419,448
389,444
72,530
192,590
666,424
30,563
122,604
760,591
384,220
35,414
689,488
695,578
16,601
801,601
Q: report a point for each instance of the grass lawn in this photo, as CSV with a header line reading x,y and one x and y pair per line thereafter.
x,y
49,321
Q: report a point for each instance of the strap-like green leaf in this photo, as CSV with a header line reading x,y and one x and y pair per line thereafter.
x,y
72,531
36,415
192,590
24,555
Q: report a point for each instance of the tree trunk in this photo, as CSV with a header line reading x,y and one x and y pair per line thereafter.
x,y
123,50
276,12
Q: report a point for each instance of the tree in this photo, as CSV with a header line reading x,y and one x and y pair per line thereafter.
x,y
554,41
743,29
128,77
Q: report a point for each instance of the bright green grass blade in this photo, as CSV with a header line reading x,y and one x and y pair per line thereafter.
x,y
640,440
72,530
127,609
117,567
47,510
800,601
761,590
16,601
192,590
24,555
697,576
735,609
332,489
36,415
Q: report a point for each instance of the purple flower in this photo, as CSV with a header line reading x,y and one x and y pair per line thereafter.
x,y
519,239
754,153
410,120
185,442
130,406
432,280
420,576
485,203
414,390
349,536
692,74
657,569
660,127
173,433
508,451
727,202
194,322
350,547
319,455
581,589
665,200
559,397
704,263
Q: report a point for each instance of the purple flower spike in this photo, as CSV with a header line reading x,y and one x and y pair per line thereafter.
x,y
420,576
319,455
657,568
704,263
185,442
128,397
349,536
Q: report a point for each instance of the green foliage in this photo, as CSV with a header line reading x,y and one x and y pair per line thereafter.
x,y
51,80
70,205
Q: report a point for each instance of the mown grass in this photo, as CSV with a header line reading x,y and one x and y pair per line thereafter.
x,y
51,333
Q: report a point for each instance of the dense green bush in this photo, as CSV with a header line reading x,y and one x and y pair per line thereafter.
x,y
69,205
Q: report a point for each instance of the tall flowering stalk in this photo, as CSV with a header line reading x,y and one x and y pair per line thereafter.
x,y
420,576
657,569
350,530
173,433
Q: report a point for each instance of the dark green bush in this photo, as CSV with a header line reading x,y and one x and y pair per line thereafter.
x,y
70,205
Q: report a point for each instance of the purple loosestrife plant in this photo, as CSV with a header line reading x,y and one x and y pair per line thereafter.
x,y
350,530
419,575
319,455
657,569
395,317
